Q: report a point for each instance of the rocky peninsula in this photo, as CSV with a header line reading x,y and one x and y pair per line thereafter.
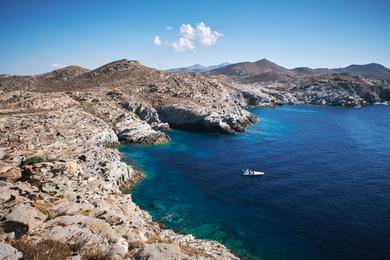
x,y
61,178
264,83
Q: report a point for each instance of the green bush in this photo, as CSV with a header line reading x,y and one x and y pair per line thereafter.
x,y
112,145
33,160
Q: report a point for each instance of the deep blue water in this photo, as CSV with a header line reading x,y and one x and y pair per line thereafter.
x,y
325,195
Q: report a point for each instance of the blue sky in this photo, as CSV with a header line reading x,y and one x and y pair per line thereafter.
x,y
34,35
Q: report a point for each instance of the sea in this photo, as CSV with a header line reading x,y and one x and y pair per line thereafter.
x,y
325,193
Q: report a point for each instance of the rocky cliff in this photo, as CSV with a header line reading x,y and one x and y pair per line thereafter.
x,y
263,83
60,176
181,100
341,89
61,180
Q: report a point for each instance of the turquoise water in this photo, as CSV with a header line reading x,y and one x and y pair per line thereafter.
x,y
325,195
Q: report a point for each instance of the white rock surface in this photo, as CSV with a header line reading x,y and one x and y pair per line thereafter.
x,y
7,252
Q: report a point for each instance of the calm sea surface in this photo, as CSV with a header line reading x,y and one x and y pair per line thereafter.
x,y
325,195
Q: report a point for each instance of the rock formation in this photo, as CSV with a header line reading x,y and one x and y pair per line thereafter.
x,y
61,178
264,83
148,93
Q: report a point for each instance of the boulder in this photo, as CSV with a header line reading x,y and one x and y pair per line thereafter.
x,y
28,215
159,251
73,169
10,173
8,252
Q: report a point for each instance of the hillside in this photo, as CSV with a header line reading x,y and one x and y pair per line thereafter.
x,y
265,70
182,100
198,68
261,70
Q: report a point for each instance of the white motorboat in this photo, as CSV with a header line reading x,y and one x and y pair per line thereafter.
x,y
248,172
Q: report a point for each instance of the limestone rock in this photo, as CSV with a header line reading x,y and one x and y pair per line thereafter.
x,y
10,173
26,214
73,169
160,251
70,121
7,252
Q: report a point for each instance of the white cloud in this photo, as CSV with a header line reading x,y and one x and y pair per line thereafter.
x,y
182,44
188,32
169,28
57,66
206,36
190,37
156,40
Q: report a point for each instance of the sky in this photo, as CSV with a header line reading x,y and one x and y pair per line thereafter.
x,y
39,36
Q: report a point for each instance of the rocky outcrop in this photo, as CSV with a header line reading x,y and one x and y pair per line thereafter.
x,y
147,93
323,89
127,125
61,180
337,89
196,118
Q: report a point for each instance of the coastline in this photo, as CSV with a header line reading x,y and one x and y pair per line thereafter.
x,y
196,183
61,178
61,181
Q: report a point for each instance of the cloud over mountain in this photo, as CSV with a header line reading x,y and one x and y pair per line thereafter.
x,y
190,37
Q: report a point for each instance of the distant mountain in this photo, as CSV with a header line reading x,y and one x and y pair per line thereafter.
x,y
198,68
304,71
261,70
371,70
265,70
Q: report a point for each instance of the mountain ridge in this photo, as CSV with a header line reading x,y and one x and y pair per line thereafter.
x,y
264,69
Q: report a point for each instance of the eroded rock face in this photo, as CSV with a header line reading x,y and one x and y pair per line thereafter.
x,y
61,179
127,125
160,251
146,95
323,89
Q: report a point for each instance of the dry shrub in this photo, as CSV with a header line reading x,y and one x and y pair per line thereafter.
x,y
191,251
47,249
86,212
42,206
156,239
55,250
94,254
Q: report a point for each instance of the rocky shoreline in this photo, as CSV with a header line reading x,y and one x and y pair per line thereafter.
x,y
328,89
61,180
61,176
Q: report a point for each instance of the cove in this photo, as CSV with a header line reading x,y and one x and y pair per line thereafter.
x,y
325,194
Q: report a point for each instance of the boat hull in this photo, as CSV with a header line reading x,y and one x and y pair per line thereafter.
x,y
253,174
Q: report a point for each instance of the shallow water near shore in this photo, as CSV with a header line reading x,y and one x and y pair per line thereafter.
x,y
325,194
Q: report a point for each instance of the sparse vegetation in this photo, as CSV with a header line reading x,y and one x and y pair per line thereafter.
x,y
33,160
191,251
112,145
53,159
48,249
42,206
86,212
54,250
156,239
58,170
